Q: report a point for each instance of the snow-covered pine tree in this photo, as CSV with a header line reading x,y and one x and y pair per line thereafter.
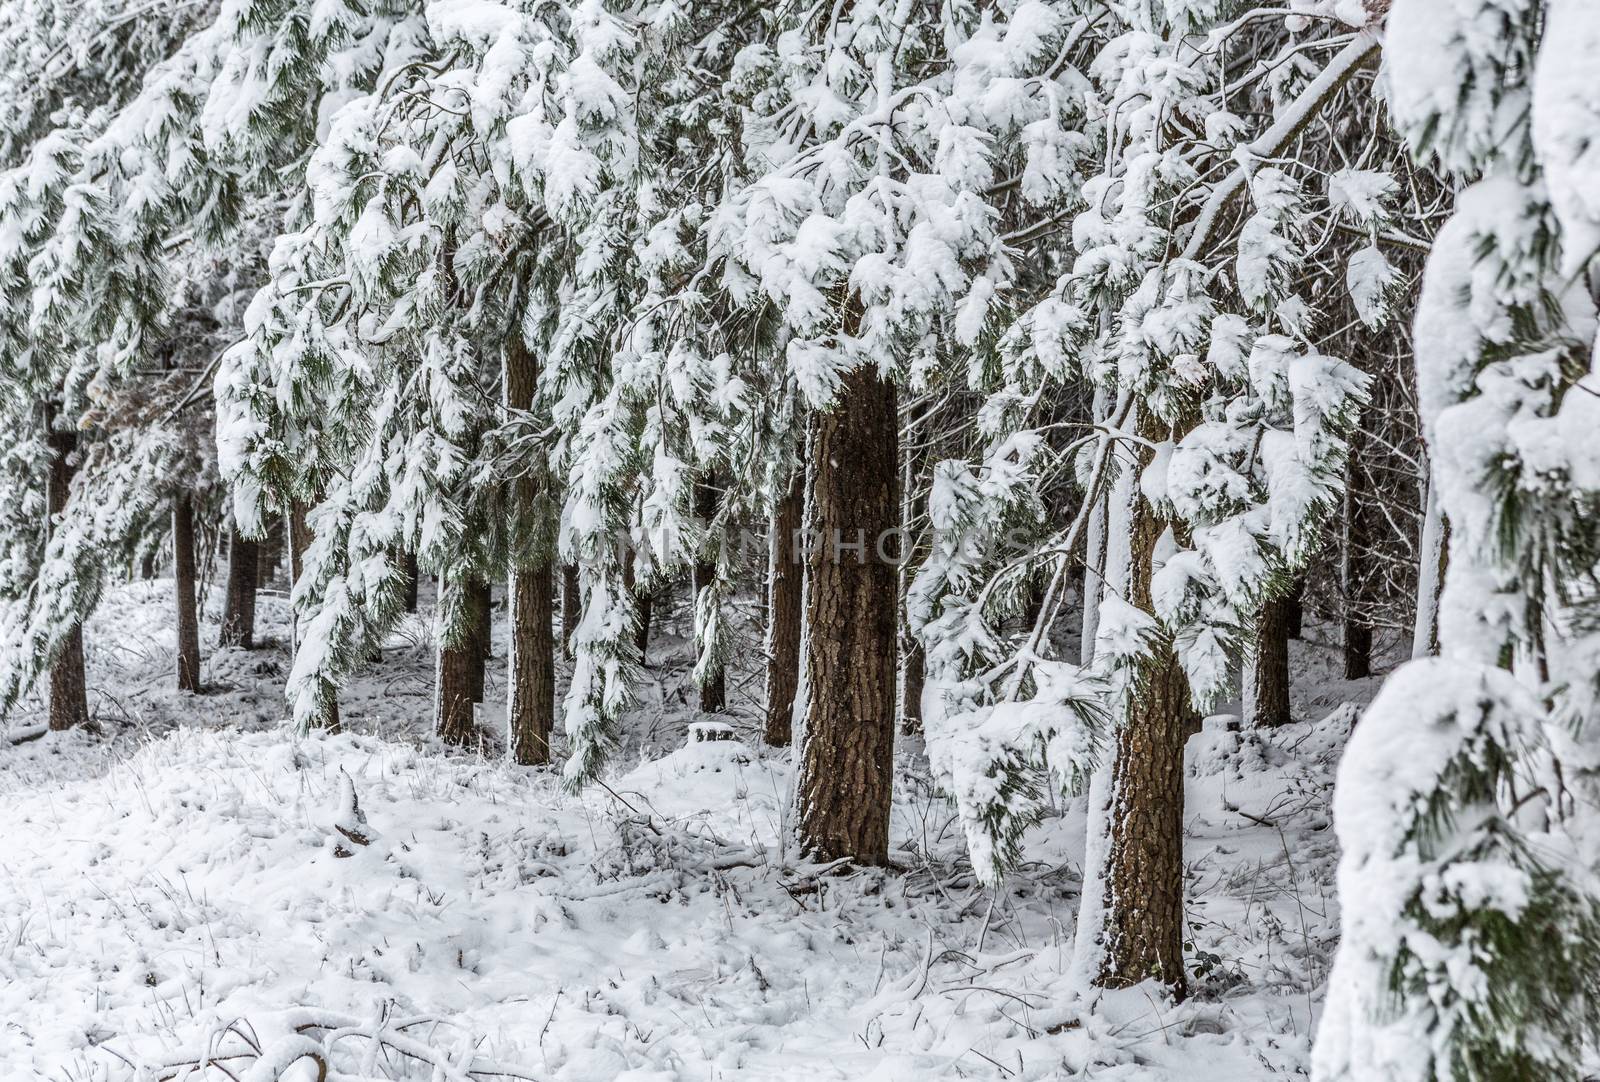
x,y
114,217
1465,799
433,234
1217,443
239,604
685,399
97,52
875,134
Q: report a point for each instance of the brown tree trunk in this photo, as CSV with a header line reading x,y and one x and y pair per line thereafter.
x,y
644,602
479,628
69,690
913,679
183,574
1270,670
571,606
1143,929
785,595
1357,649
482,645
1294,609
714,692
453,715
846,773
299,539
409,565
531,697
147,566
239,612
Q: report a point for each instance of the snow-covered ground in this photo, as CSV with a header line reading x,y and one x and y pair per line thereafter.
x,y
183,887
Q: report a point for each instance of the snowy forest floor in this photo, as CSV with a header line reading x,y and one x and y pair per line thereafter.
x,y
171,887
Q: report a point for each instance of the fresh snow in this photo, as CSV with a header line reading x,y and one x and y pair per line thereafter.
x,y
182,872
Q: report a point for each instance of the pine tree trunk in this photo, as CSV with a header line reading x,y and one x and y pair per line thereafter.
x,y
1270,666
785,578
299,539
1144,868
147,566
409,569
644,602
453,715
1294,609
714,692
1143,908
183,575
244,570
69,691
1357,649
913,681
482,637
531,696
571,606
846,771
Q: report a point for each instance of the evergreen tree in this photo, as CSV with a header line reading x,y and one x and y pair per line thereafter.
x,y
183,578
785,600
1216,451
239,608
1471,921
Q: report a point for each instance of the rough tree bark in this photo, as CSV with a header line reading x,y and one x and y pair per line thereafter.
x,y
531,696
785,579
644,602
69,691
299,539
482,635
852,606
714,692
913,680
409,569
1269,669
183,575
239,611
452,702
1143,924
1294,608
